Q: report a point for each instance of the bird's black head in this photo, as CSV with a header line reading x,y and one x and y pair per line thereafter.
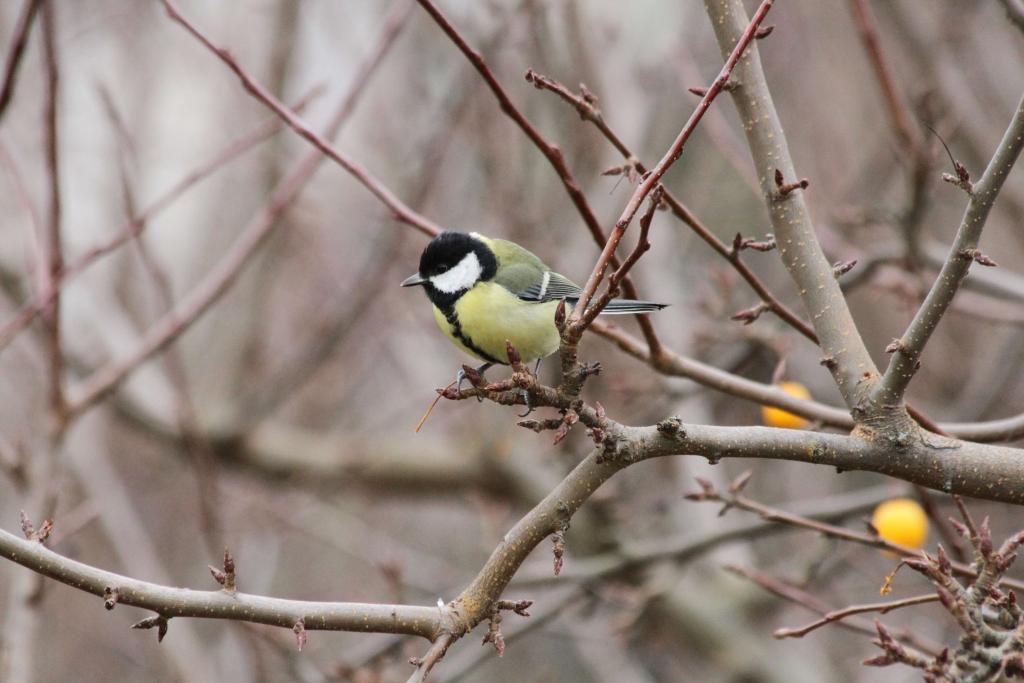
x,y
451,264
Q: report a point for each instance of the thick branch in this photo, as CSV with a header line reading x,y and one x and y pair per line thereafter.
x,y
906,357
977,470
970,469
168,602
850,362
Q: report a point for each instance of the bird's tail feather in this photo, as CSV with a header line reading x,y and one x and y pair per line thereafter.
x,y
628,306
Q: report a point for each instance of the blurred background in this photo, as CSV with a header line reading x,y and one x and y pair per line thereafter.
x,y
281,423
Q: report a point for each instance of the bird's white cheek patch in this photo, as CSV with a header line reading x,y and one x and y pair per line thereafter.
x,y
462,276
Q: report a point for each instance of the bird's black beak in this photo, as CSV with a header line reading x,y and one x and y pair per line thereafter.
x,y
414,280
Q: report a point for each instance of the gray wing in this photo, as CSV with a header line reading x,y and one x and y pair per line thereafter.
x,y
548,285
529,279
551,287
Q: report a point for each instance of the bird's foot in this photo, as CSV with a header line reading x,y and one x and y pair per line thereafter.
x,y
526,400
474,375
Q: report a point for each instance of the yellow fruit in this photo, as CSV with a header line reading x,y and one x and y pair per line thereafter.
x,y
903,521
776,417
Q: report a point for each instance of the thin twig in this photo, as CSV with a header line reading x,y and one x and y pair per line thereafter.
x,y
223,275
19,40
772,514
186,413
586,106
400,211
136,224
908,135
840,614
643,244
674,152
809,601
689,545
669,362
53,256
43,484
425,663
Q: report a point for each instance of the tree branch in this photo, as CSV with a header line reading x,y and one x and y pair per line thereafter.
x,y
669,362
426,622
586,106
223,275
978,470
908,135
52,261
964,251
810,602
12,63
426,663
645,187
691,544
137,224
399,209
840,614
849,360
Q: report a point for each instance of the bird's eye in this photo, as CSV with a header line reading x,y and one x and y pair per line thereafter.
x,y
442,268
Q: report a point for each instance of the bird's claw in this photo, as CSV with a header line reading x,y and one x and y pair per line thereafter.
x,y
526,400
461,377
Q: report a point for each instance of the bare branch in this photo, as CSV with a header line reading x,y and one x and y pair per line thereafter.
x,y
169,602
690,545
731,500
136,224
670,363
52,255
223,275
908,135
587,107
15,53
840,614
809,601
643,244
425,663
670,157
798,246
399,209
906,361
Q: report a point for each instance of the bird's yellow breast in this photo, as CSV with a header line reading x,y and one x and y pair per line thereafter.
x,y
488,314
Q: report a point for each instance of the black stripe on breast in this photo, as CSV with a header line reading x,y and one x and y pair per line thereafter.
x,y
453,319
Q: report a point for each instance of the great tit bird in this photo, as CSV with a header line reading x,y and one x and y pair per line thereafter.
x,y
486,291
